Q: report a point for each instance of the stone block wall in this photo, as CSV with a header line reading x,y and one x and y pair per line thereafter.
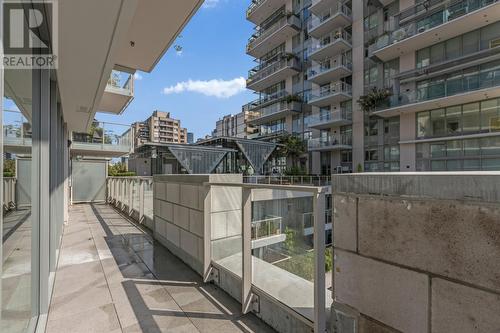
x,y
179,208
418,252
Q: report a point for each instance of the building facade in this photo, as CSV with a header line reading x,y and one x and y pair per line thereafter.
x,y
379,85
237,125
159,128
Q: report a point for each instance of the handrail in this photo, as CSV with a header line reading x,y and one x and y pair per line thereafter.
x,y
329,39
317,20
331,89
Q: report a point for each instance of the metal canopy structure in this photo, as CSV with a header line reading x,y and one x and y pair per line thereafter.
x,y
256,152
198,159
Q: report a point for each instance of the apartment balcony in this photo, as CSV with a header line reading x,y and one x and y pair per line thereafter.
x,y
333,18
259,10
264,76
452,91
268,135
103,140
267,232
330,70
330,45
421,26
330,143
267,39
331,119
320,6
333,93
16,133
118,94
277,110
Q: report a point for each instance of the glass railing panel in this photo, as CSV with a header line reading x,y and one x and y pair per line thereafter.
x,y
106,136
329,39
226,226
331,89
447,87
262,34
148,200
330,141
330,116
283,261
317,20
450,10
330,64
261,72
120,82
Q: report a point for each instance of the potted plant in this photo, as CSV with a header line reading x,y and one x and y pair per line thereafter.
x,y
375,98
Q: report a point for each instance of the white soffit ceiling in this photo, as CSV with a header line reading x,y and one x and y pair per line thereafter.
x,y
155,26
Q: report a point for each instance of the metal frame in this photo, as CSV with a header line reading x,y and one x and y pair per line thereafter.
x,y
248,297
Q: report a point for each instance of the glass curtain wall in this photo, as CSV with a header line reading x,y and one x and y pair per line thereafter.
x,y
34,160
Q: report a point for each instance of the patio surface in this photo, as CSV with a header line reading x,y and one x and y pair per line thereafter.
x,y
112,277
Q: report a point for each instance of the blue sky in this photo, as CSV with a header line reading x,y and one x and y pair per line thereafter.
x,y
213,48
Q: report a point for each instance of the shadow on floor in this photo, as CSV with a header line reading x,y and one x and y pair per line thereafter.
x,y
162,290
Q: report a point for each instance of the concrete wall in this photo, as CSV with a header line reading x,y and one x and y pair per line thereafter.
x,y
418,252
179,208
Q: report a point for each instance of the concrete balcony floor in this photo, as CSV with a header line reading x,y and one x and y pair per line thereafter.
x,y
112,277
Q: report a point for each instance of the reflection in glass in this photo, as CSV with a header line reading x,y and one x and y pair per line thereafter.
x,y
18,307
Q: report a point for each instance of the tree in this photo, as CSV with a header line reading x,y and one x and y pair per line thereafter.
x,y
292,147
9,168
375,98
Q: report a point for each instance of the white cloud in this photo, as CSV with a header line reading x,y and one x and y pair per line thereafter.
x,y
210,3
216,88
138,76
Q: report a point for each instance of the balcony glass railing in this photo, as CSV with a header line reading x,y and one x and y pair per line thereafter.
x,y
330,141
447,87
330,90
448,11
329,39
132,195
289,180
268,227
261,72
121,83
267,99
317,20
16,129
330,64
261,34
330,116
105,136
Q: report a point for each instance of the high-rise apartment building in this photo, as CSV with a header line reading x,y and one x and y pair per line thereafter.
x,y
426,74
237,125
159,128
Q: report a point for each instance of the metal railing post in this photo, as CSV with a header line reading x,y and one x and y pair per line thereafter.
x,y
319,263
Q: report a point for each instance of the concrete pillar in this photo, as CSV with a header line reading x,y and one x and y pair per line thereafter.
x,y
316,163
358,57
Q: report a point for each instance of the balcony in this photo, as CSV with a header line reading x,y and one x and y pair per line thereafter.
x,y
103,140
267,39
288,106
267,232
333,93
330,143
330,45
320,6
271,73
259,10
333,18
330,119
447,92
268,135
330,70
118,94
419,27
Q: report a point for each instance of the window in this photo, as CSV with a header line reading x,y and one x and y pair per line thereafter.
x,y
454,148
471,119
438,149
371,155
423,124
438,122
453,48
454,120
490,112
